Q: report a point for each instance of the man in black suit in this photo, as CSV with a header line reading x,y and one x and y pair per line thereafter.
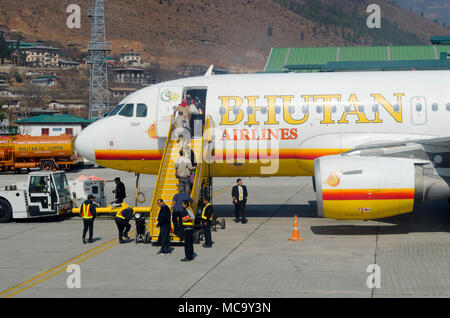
x,y
164,227
239,194
120,190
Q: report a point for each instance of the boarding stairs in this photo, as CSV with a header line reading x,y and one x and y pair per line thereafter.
x,y
167,183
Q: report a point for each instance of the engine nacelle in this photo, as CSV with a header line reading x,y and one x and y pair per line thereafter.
x,y
362,188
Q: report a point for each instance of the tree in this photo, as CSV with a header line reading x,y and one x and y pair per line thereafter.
x,y
18,78
5,51
32,99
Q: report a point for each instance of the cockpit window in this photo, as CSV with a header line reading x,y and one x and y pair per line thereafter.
x,y
116,110
141,110
127,110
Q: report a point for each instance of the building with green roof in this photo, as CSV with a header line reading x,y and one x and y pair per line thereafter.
x,y
52,125
306,59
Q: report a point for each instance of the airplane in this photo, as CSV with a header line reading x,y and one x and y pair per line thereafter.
x,y
375,143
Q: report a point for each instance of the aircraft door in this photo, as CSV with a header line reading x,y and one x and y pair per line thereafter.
x,y
41,193
167,99
418,110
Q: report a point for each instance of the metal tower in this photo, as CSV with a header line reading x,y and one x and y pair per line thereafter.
x,y
98,49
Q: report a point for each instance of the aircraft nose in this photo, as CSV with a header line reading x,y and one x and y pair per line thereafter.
x,y
85,146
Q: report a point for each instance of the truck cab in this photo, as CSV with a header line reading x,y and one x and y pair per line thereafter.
x,y
45,193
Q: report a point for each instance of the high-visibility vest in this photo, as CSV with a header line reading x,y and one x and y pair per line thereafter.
x,y
86,211
203,212
119,215
186,220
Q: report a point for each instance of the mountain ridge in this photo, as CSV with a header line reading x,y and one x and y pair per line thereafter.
x,y
234,34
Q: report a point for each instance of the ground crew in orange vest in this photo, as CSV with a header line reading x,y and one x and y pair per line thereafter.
x,y
207,219
88,213
123,218
187,220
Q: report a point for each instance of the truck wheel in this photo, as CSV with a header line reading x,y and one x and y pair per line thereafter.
x,y
47,165
222,224
5,211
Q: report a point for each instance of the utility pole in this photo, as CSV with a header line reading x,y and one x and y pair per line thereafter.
x,y
98,49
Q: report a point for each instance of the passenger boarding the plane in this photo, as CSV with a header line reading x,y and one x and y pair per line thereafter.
x,y
181,126
184,109
193,108
183,168
184,145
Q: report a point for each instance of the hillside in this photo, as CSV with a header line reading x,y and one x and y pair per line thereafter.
x,y
236,34
432,9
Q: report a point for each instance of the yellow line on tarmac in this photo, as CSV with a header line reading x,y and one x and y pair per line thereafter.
x,y
76,260
57,269
116,242
54,268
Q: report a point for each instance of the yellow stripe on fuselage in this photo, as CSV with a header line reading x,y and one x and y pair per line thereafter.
x,y
290,162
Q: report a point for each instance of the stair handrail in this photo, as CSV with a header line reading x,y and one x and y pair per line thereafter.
x,y
160,169
199,171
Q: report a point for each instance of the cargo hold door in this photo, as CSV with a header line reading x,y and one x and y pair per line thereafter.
x,y
169,97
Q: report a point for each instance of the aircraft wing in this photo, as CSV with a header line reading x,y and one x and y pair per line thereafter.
x,y
433,150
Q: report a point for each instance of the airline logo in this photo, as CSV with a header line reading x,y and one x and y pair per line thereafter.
x,y
286,108
333,179
169,96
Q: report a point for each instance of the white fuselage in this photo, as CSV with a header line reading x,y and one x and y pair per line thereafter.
x,y
303,115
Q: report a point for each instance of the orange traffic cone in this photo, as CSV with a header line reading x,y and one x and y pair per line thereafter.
x,y
295,232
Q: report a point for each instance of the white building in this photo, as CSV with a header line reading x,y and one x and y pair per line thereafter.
x,y
41,56
128,75
52,125
130,58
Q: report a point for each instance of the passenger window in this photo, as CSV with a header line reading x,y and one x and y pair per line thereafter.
x,y
333,108
141,110
291,109
319,109
396,108
361,108
116,110
419,107
447,107
375,108
305,109
127,110
434,107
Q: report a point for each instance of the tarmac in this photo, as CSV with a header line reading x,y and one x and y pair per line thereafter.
x,y
247,260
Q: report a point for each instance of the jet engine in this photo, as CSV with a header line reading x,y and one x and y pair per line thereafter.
x,y
363,188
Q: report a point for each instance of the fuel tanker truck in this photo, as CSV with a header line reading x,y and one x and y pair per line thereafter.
x,y
44,152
